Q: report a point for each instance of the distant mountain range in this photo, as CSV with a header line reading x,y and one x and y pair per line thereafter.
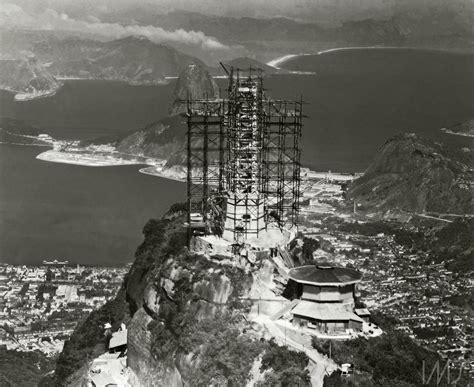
x,y
133,59
435,24
407,20
74,54
416,175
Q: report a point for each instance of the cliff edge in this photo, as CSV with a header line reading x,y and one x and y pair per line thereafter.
x,y
187,320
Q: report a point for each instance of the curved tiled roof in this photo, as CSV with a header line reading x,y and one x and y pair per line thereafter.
x,y
324,275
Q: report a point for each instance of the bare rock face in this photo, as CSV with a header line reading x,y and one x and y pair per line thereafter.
x,y
179,302
414,174
151,300
187,316
140,359
215,290
193,83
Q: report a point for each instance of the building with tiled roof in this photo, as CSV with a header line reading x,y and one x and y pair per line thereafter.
x,y
327,296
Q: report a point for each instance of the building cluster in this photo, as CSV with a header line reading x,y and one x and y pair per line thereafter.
x,y
41,305
427,300
423,297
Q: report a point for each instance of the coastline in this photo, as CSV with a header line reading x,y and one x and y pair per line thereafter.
x,y
275,63
24,97
130,82
448,131
282,59
85,159
20,96
96,160
153,171
20,144
360,48
154,167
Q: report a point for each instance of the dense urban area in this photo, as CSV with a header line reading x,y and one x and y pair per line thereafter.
x,y
421,294
40,305
427,301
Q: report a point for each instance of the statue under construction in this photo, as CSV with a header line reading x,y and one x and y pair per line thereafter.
x,y
243,159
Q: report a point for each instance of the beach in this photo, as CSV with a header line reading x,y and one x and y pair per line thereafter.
x,y
155,167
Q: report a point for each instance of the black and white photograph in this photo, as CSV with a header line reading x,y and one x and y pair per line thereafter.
x,y
222,193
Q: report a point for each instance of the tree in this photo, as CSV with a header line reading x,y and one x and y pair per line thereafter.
x,y
288,368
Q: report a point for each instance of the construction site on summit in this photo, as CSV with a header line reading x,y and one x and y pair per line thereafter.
x,y
243,163
243,197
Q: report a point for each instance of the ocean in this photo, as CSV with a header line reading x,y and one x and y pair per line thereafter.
x,y
82,214
356,101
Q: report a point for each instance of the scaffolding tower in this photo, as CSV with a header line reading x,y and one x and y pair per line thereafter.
x,y
243,160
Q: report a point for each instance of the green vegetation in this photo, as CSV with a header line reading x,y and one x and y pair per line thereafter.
x,y
224,354
23,289
392,359
23,368
45,288
407,238
88,337
287,368
187,321
151,250
454,242
12,131
16,126
302,248
451,242
216,338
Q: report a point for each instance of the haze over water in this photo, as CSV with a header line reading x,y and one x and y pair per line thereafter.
x,y
357,100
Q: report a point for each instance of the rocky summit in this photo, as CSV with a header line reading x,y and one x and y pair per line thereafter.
x,y
416,175
193,83
166,138
187,316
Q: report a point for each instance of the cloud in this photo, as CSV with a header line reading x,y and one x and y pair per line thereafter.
x,y
13,16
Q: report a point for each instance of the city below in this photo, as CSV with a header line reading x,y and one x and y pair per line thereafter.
x,y
40,305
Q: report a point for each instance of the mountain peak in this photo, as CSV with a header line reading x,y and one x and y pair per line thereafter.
x,y
416,175
194,82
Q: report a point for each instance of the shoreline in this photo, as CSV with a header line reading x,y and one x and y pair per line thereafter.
x,y
20,144
108,160
85,159
282,59
335,49
19,96
155,168
25,97
448,131
277,62
147,171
